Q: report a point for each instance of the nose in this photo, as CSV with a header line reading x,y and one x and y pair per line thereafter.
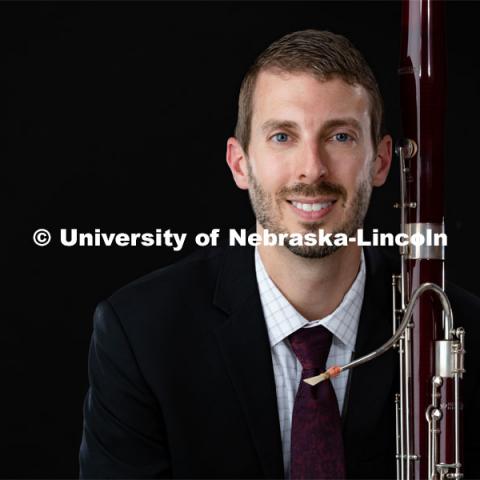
x,y
312,164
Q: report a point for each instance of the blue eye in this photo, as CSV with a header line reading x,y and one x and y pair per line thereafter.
x,y
342,137
280,137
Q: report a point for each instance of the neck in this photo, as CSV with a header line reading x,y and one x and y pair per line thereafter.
x,y
314,286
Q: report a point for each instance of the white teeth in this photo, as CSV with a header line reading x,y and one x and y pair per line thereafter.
x,y
309,207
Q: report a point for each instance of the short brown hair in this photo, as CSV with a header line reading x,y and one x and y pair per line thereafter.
x,y
321,53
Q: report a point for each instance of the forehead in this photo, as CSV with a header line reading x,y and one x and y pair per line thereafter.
x,y
303,97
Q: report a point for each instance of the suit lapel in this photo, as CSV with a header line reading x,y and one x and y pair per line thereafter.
x,y
243,340
371,384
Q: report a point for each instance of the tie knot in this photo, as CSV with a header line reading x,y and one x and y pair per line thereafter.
x,y
311,346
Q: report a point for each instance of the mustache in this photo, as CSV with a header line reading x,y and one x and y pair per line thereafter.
x,y
315,190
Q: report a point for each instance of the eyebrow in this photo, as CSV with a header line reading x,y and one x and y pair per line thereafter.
x,y
342,122
273,124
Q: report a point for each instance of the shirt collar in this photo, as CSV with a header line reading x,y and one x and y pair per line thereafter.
x,y
282,319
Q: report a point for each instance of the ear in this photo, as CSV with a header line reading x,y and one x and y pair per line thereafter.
x,y
383,161
237,161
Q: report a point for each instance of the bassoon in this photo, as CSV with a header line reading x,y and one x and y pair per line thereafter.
x,y
431,350
429,406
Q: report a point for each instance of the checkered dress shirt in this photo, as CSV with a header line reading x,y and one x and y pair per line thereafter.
x,y
282,319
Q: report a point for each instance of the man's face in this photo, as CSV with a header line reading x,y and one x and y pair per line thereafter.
x,y
311,163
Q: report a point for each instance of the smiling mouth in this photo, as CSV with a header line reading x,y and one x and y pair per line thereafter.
x,y
311,206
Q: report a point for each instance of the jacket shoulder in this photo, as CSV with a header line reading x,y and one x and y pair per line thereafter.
x,y
170,289
466,309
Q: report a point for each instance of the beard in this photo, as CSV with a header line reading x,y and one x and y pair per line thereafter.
x,y
268,216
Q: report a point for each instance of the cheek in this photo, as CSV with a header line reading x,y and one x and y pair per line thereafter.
x,y
354,170
367,171
272,173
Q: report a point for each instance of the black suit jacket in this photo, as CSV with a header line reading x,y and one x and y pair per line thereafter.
x,y
182,385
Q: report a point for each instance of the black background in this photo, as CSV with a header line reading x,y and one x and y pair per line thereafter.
x,y
117,117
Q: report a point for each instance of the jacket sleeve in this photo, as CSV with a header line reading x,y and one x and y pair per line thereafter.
x,y
123,431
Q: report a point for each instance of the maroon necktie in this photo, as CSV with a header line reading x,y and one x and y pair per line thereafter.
x,y
317,444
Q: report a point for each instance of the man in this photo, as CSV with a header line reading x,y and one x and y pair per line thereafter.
x,y
196,369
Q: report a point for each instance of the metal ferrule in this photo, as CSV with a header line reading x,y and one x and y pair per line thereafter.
x,y
429,232
445,358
